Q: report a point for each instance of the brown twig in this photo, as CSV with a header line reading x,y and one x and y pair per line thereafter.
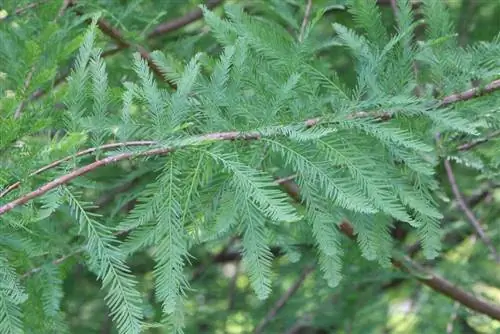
x,y
450,290
389,2
55,262
117,36
472,219
468,146
66,4
175,24
284,299
305,21
21,10
218,136
471,93
79,154
27,82
394,7
161,29
74,174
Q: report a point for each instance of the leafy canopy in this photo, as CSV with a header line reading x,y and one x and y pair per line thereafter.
x,y
213,152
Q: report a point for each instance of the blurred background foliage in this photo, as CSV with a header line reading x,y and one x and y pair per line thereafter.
x,y
369,299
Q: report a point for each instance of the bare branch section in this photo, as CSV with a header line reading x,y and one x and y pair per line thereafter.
x,y
468,146
219,136
117,36
305,21
450,290
471,93
79,154
470,215
167,27
284,299
27,83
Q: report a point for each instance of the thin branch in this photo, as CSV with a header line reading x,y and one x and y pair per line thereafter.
x,y
389,2
453,235
284,299
55,262
472,219
175,24
23,9
66,4
60,78
218,136
79,154
450,290
74,174
383,116
27,83
117,36
468,146
394,7
162,28
471,93
305,21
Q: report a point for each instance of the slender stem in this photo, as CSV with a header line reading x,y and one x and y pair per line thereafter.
x,y
471,93
218,136
447,288
394,7
468,146
305,21
21,10
472,219
66,4
79,154
117,36
284,299
27,83
159,30
175,24
55,262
